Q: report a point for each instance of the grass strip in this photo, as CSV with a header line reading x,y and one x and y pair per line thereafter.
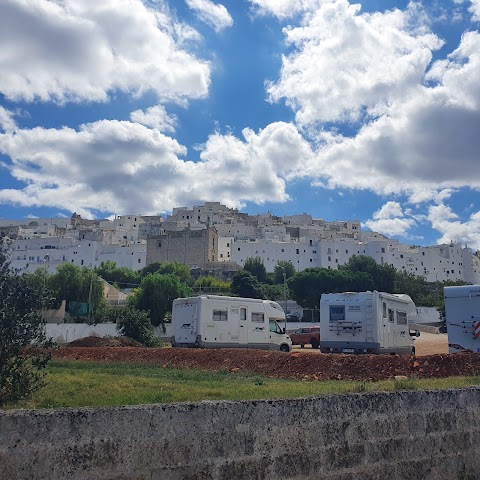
x,y
73,383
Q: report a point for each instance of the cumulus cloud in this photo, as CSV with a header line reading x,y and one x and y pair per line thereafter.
x,y
155,117
345,65
390,220
447,222
120,167
410,120
215,15
82,51
475,10
7,122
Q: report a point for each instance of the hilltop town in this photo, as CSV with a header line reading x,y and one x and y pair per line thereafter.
x,y
215,239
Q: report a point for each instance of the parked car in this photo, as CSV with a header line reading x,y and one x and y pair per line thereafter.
x,y
306,335
292,317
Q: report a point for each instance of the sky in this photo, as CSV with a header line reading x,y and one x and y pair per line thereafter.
x,y
344,110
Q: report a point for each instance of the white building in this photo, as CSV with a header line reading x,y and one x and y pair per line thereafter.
x,y
301,239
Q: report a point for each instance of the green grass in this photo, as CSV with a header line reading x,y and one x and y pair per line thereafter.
x,y
76,384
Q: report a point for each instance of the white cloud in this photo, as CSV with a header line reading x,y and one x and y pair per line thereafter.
x,y
82,50
122,167
285,8
390,220
418,127
215,15
475,10
345,64
445,221
155,117
7,122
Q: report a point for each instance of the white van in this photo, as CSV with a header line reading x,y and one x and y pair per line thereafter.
x,y
462,313
366,322
212,321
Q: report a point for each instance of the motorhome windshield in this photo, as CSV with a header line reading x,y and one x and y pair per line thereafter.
x,y
275,327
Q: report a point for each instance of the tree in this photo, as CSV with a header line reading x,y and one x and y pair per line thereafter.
x,y
121,276
383,275
308,286
178,269
255,266
212,284
283,266
136,324
21,330
75,284
244,284
156,293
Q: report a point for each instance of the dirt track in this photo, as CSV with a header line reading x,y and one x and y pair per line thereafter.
x,y
298,364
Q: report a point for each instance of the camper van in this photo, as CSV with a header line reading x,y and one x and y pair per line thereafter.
x,y
462,312
366,322
212,321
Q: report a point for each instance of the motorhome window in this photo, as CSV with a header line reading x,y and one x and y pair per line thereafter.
x,y
354,308
243,314
274,327
401,317
391,315
258,317
384,310
337,312
220,315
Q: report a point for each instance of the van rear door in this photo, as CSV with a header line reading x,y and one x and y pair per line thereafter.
x,y
185,323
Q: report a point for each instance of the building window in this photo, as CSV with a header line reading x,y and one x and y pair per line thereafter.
x,y
220,315
383,249
401,256
336,260
329,259
298,251
346,251
238,248
159,244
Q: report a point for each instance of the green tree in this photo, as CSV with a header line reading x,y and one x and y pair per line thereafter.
x,y
307,286
246,285
178,269
21,330
212,284
76,284
283,266
156,294
123,277
383,275
255,266
136,324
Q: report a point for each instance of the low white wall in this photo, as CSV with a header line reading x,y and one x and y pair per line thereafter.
x,y
68,332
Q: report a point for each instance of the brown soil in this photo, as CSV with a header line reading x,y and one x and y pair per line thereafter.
x,y
105,342
296,365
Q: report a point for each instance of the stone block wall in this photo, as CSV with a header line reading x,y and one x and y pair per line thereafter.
x,y
376,436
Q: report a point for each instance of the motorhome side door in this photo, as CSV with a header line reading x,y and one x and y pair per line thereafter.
x,y
242,325
185,323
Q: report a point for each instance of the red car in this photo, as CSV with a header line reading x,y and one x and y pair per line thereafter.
x,y
306,335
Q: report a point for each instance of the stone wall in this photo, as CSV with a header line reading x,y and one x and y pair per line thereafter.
x,y
402,435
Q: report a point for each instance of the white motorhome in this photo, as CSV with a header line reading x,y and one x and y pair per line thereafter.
x,y
212,321
462,312
366,322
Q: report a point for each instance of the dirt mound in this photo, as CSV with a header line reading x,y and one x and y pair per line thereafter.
x,y
104,342
295,365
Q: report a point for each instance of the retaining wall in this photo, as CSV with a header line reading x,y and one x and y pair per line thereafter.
x,y
401,435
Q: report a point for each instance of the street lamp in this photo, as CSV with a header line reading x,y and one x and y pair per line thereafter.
x,y
285,296
46,258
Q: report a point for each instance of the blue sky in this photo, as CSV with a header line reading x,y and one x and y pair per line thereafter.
x,y
367,110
